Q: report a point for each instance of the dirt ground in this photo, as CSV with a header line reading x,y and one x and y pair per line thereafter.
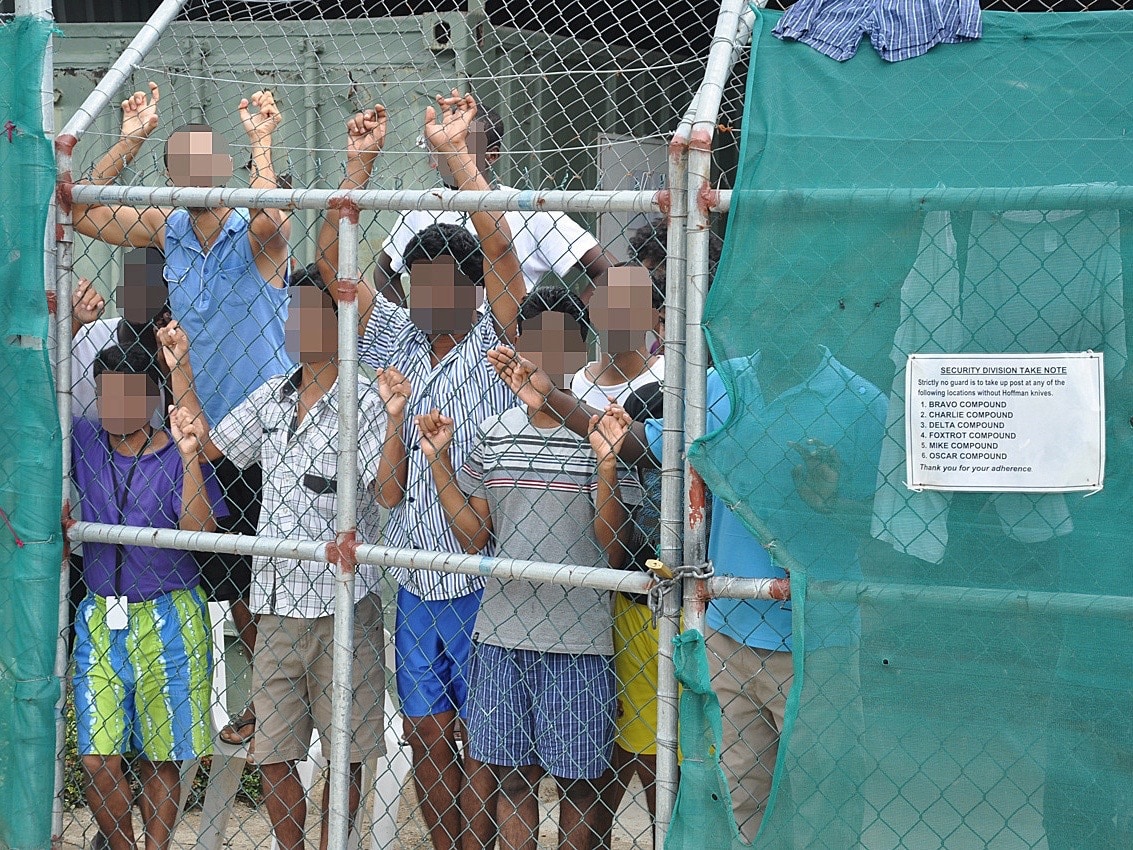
x,y
249,827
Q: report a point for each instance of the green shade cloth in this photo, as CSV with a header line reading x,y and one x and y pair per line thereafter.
x,y
30,458
966,658
703,808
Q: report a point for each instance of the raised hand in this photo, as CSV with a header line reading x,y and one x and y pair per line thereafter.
x,y
607,433
366,132
524,378
139,113
394,389
174,344
436,431
447,131
261,124
817,477
190,432
86,304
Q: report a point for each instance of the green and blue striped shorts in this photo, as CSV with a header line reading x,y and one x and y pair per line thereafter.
x,y
146,688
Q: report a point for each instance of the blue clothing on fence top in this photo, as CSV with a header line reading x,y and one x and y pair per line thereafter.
x,y
234,318
898,29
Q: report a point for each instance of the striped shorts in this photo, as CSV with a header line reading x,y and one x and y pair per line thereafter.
x,y
546,708
146,688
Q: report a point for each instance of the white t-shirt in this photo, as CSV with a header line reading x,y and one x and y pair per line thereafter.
x,y
597,396
90,340
543,241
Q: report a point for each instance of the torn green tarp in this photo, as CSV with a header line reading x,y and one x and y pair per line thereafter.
x,y
31,546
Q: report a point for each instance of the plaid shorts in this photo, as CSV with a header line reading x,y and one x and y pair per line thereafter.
x,y
545,708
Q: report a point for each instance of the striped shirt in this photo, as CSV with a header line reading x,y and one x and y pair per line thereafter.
x,y
898,30
464,386
300,499
540,485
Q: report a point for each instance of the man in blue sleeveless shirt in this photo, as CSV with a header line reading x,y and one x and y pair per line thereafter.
x,y
227,273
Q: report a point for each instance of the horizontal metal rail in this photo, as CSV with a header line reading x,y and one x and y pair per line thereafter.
x,y
478,565
731,587
1088,196
1077,197
985,600
196,541
979,599
372,199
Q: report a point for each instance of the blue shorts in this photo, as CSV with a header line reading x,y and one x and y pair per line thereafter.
x,y
431,641
545,708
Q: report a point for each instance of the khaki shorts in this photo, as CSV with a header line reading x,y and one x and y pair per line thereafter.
x,y
291,685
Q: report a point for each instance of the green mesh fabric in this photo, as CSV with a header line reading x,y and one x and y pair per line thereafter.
x,y
967,658
30,459
704,810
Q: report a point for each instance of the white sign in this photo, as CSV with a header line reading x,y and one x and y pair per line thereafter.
x,y
1030,423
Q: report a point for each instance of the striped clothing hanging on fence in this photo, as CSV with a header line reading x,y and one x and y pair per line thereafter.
x,y
898,29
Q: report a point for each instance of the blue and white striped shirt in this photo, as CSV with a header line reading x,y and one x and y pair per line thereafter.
x,y
464,386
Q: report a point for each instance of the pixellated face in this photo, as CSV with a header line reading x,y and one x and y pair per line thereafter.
x,y
552,342
311,333
126,402
198,158
622,309
143,293
442,300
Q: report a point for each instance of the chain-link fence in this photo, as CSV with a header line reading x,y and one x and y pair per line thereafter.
x,y
455,521
526,688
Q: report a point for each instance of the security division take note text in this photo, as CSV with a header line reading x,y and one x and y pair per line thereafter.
x,y
1005,422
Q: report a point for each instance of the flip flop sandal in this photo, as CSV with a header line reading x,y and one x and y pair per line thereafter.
x,y
237,723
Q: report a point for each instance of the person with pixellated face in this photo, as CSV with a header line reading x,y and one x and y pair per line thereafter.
x,y
541,685
289,426
227,273
439,344
143,649
546,243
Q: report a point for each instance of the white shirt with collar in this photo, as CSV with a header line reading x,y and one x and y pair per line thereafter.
x,y
543,241
300,468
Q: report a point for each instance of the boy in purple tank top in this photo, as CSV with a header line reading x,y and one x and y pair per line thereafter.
x,y
143,651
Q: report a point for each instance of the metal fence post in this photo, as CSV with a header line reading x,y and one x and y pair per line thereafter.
x,y
701,199
62,271
346,540
672,476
